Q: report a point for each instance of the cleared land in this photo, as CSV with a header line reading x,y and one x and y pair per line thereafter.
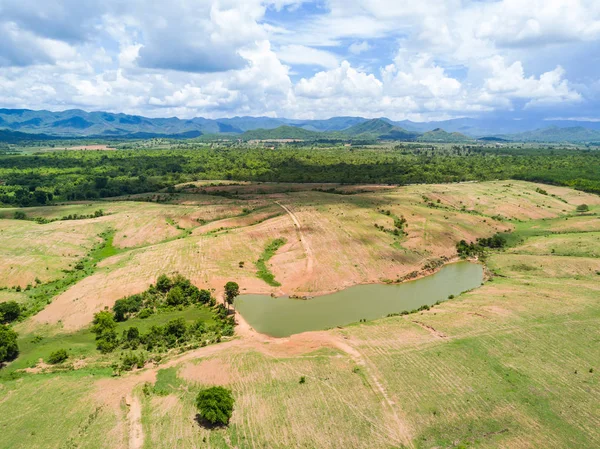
x,y
513,364
332,241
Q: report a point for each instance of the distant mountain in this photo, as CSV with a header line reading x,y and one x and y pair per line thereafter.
x,y
19,137
439,135
379,129
575,134
78,123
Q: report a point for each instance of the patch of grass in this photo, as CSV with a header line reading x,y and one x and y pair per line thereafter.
x,y
261,264
42,294
167,382
82,343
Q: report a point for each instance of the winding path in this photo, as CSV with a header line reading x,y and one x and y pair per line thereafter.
x,y
307,249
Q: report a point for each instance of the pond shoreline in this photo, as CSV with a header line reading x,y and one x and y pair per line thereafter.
x,y
284,316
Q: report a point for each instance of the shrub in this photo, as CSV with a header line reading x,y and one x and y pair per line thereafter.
x,y
8,344
20,215
582,208
132,360
58,356
9,311
215,405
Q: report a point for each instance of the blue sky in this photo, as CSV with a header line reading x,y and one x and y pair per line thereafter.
x,y
425,60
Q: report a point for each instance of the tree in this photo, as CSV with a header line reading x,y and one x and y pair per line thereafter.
x,y
8,344
163,283
583,208
232,290
104,326
175,296
215,405
9,311
58,356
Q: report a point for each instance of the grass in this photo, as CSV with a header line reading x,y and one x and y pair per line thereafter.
x,y
261,264
82,344
42,294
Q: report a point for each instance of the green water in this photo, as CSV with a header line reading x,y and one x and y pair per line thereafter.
x,y
281,317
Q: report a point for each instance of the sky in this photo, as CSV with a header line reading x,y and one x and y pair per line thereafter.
x,y
402,59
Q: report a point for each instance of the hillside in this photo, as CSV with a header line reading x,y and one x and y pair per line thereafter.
x,y
555,134
380,129
439,135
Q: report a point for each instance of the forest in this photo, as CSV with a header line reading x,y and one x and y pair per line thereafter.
x,y
44,178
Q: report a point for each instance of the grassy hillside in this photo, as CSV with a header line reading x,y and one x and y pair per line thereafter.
x,y
439,135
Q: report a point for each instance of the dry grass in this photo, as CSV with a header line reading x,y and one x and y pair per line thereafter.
x,y
345,247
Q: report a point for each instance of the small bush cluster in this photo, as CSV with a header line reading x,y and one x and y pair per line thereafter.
x,y
167,293
58,356
477,249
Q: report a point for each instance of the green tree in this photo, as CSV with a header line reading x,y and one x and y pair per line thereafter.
x,y
163,283
58,356
583,208
175,296
215,405
232,290
9,311
104,326
8,344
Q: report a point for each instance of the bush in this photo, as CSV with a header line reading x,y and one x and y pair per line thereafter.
x,y
8,344
58,356
215,405
9,311
582,208
132,360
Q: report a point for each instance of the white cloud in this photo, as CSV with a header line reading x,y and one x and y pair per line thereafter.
x,y
301,55
359,47
511,82
430,58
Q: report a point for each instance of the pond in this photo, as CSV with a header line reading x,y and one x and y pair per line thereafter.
x,y
281,317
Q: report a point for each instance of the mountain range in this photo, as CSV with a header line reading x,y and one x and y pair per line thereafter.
x,y
76,123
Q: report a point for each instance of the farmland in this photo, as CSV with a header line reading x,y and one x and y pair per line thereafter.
x,y
510,364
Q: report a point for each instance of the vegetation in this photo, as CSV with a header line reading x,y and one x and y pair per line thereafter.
x,y
232,291
9,349
58,356
166,294
9,312
261,264
477,249
215,405
40,179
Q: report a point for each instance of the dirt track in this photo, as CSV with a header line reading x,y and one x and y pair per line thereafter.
x,y
307,249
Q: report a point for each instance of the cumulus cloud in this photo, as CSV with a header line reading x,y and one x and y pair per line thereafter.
x,y
432,58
